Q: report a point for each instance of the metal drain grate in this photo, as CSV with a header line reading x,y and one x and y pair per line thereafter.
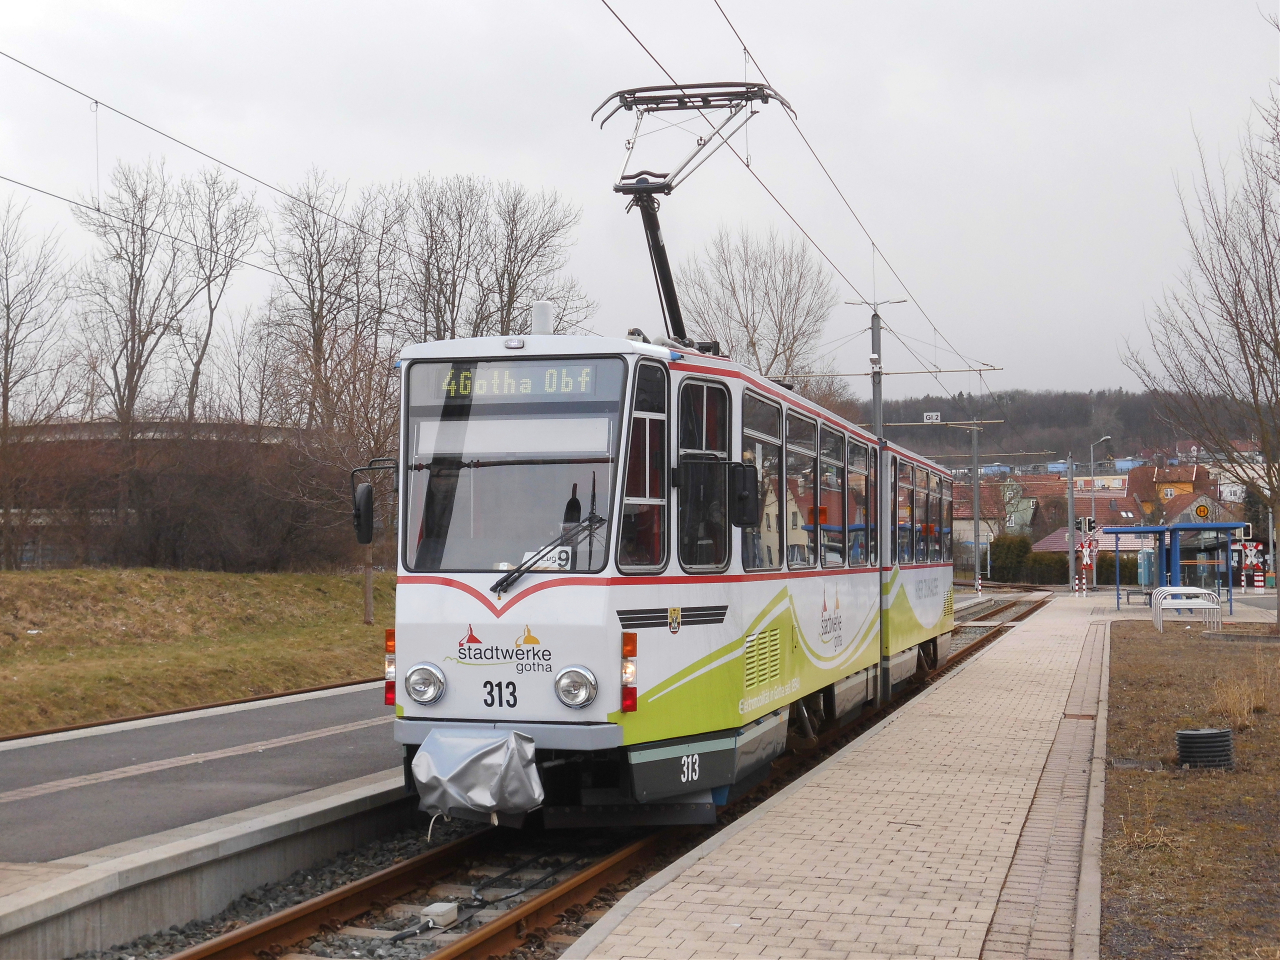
x,y
1206,748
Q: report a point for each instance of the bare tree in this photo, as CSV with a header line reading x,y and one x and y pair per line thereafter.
x,y
250,370
370,408
316,254
33,391
764,299
444,235
1214,358
479,254
136,286
833,393
527,247
223,227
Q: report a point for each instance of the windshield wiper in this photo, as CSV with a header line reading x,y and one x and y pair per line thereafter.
x,y
569,536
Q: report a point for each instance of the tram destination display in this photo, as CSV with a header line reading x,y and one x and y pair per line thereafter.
x,y
511,381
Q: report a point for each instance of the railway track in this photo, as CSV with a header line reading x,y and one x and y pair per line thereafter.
x,y
532,890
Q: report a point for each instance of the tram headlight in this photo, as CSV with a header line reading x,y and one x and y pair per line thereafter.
x,y
629,671
575,686
425,683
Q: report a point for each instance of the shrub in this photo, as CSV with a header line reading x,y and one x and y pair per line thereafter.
x,y
1008,554
1045,568
1107,568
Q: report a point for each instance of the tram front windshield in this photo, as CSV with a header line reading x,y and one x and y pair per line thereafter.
x,y
505,457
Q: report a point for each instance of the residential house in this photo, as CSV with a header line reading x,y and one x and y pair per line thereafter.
x,y
1200,508
1154,486
992,519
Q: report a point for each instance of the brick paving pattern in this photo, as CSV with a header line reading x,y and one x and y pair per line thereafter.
x,y
1036,912
904,843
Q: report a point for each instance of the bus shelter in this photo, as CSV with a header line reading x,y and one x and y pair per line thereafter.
x,y
1168,551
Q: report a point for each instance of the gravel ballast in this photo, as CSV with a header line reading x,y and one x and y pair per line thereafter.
x,y
301,885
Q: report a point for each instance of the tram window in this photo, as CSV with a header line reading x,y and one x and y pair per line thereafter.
x,y
935,518
501,456
873,506
906,509
831,479
761,432
858,526
761,417
703,523
802,546
947,525
642,541
922,522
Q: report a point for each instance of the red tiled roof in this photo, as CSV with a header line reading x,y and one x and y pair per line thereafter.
x,y
1186,502
992,501
1108,515
1145,481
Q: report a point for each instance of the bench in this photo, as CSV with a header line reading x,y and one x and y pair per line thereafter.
x,y
1186,598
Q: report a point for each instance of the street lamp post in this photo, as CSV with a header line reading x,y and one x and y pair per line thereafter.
x,y
1093,498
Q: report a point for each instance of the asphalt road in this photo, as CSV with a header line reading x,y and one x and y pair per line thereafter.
x,y
69,793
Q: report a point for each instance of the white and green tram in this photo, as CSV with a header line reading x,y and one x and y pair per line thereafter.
x,y
627,572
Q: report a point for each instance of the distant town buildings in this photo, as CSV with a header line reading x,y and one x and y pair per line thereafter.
x,y
1187,484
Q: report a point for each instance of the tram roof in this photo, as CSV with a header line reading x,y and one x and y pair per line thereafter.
x,y
560,345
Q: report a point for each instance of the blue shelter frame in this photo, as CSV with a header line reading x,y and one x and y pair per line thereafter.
x,y
1169,552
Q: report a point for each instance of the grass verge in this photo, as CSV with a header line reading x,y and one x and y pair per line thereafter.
x,y
84,645
1191,858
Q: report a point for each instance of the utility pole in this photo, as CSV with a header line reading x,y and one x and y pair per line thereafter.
x,y
886,508
1071,523
882,495
977,514
1093,498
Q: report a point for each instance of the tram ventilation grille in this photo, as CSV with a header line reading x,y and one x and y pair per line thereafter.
x,y
660,616
762,657
949,604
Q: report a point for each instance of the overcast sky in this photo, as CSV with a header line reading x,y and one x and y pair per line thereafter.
x,y
1016,163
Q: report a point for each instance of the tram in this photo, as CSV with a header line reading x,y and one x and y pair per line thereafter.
x,y
631,569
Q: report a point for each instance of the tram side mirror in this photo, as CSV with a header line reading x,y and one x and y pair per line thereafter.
x,y
744,495
362,513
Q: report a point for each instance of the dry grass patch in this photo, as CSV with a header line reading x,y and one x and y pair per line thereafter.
x,y
1191,858
84,645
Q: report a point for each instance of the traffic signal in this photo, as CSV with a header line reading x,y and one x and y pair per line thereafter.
x,y
1086,525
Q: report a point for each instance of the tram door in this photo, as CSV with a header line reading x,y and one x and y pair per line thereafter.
x,y
702,520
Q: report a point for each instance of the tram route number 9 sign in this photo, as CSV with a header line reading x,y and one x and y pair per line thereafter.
x,y
501,381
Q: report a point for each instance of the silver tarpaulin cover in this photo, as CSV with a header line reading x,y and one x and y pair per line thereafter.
x,y
465,775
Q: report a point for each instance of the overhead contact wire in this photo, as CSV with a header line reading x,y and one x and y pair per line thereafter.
x,y
746,166
796,123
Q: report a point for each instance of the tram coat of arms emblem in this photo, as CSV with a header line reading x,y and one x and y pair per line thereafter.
x,y
673,619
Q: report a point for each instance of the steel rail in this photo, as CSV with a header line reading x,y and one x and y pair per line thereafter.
x,y
994,611
506,932
270,937
973,647
329,911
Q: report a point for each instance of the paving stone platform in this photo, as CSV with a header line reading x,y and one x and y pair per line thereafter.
x,y
952,829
